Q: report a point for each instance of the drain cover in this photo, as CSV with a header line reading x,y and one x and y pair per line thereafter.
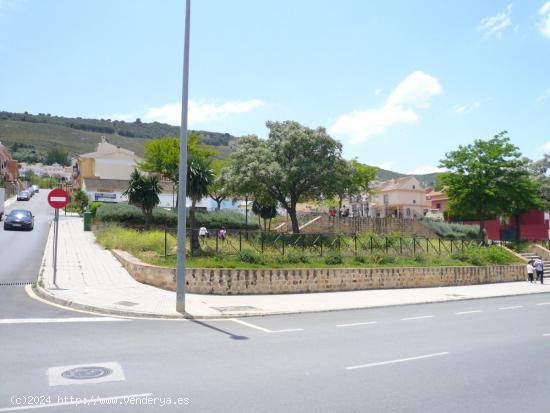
x,y
86,373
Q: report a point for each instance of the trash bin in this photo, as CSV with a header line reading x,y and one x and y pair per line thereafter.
x,y
87,221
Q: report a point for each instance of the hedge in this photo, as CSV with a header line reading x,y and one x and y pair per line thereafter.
x,y
446,230
132,215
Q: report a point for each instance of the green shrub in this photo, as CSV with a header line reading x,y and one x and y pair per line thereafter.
x,y
360,259
94,206
420,258
334,259
381,259
251,257
452,231
293,257
130,214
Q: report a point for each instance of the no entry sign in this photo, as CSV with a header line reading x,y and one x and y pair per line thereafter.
x,y
58,198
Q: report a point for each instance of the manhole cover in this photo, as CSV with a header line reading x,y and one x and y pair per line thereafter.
x,y
86,373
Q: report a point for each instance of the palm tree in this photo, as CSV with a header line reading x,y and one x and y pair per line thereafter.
x,y
199,177
143,192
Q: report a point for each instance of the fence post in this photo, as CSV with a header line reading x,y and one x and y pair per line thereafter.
x,y
400,245
262,241
386,243
439,241
462,245
165,243
355,241
240,241
303,244
370,244
414,245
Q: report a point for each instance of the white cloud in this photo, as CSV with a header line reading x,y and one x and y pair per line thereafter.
x,y
10,5
544,24
545,95
377,92
468,108
200,112
415,91
545,148
495,25
426,169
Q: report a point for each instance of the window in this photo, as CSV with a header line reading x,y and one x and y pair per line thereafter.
x,y
414,186
386,198
414,201
438,206
408,212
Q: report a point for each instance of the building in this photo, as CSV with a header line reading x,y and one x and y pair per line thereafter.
x,y
437,199
401,197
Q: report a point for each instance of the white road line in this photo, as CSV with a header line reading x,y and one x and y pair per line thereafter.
x,y
511,308
362,366
100,401
543,304
416,318
356,324
468,312
265,330
58,320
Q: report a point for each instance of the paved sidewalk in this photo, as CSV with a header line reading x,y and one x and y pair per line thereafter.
x,y
90,278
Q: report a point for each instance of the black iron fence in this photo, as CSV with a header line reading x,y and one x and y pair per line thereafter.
x,y
235,242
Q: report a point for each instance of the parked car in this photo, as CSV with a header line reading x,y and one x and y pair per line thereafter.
x,y
19,219
24,196
435,215
35,189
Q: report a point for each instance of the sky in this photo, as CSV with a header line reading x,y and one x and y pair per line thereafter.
x,y
399,83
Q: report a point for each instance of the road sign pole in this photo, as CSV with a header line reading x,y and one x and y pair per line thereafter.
x,y
182,188
56,233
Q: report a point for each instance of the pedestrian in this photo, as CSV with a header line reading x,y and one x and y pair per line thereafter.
x,y
203,232
539,267
530,271
221,234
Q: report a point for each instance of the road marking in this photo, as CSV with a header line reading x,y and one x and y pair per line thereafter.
x,y
58,320
356,324
468,312
381,363
543,304
265,330
511,308
99,401
416,318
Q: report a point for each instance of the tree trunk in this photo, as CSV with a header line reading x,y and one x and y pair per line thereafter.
x,y
481,237
219,204
340,201
294,220
195,244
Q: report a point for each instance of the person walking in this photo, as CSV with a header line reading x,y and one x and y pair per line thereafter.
x,y
539,267
530,271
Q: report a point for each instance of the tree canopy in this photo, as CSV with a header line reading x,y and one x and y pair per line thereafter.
x,y
487,178
293,164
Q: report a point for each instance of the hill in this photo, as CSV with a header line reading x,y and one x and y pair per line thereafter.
x,y
33,135
30,136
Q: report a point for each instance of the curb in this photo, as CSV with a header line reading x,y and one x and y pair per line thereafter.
x,y
45,295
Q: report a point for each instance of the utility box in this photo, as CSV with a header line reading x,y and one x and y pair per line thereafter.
x,y
87,221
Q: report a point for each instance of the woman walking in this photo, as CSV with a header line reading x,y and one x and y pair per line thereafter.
x,y
530,271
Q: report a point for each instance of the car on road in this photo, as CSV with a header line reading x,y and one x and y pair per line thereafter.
x,y
35,189
24,196
19,219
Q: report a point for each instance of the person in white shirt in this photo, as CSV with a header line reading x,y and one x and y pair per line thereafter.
x,y
203,232
530,271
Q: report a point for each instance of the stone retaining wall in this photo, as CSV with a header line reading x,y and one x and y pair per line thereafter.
x,y
229,281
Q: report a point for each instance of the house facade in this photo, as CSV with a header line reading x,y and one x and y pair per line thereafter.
x,y
401,197
437,199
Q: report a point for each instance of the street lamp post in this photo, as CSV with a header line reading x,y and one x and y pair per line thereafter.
x,y
180,270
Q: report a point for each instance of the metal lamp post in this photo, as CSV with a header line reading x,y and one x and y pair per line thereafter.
x,y
180,270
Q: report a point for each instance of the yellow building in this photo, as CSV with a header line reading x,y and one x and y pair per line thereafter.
x,y
402,197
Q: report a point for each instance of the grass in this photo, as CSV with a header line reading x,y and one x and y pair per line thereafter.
x,y
149,247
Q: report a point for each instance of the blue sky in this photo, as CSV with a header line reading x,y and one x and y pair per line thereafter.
x,y
399,83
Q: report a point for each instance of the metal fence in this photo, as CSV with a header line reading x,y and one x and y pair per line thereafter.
x,y
271,243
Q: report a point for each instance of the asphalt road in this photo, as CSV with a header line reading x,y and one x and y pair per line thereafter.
x,y
20,258
490,355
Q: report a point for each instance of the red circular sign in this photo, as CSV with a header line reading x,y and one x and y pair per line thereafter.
x,y
58,198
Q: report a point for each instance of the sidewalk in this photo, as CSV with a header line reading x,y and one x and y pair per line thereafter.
x,y
90,278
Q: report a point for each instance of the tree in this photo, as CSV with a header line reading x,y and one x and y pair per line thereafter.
x,y
199,178
80,199
218,189
265,208
143,192
487,178
57,155
539,171
295,163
